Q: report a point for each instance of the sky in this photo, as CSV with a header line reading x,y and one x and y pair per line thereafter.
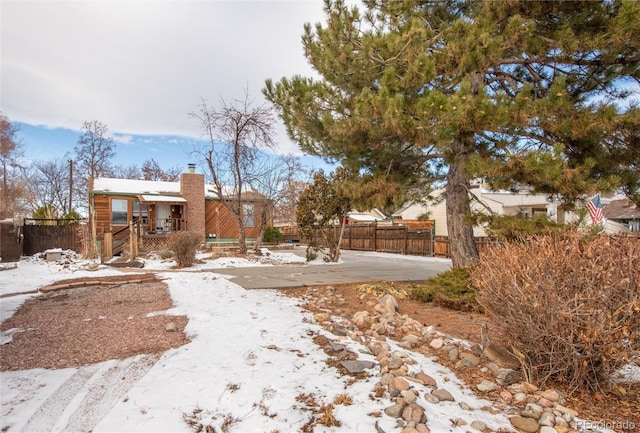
x,y
259,341
140,66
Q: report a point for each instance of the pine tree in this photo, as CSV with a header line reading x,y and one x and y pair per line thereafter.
x,y
537,93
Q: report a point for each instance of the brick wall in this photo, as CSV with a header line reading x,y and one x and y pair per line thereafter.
x,y
192,189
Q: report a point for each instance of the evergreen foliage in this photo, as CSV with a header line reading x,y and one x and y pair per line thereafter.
x,y
322,209
536,93
272,235
452,289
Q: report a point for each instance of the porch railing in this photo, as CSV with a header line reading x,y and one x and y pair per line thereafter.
x,y
165,225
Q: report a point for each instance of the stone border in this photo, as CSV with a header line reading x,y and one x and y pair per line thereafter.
x,y
101,281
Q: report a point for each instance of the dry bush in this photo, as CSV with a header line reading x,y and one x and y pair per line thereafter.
x,y
569,304
184,246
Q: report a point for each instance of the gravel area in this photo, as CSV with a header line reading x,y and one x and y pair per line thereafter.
x,y
78,326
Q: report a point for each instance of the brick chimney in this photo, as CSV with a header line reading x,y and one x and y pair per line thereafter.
x,y
192,189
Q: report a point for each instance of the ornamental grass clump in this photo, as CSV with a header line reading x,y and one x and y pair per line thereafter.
x,y
184,246
568,304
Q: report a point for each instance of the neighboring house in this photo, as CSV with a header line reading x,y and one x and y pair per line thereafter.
x,y
621,214
164,207
370,216
487,201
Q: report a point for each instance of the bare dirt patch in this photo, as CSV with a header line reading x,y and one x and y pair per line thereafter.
x,y
83,325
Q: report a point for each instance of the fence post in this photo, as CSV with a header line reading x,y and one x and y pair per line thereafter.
x,y
133,240
431,242
107,246
375,237
406,240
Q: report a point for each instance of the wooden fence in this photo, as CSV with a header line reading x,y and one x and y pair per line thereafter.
x,y
442,248
398,239
388,239
38,238
10,241
401,239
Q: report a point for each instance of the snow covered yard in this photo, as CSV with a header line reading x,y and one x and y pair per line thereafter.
x,y
252,366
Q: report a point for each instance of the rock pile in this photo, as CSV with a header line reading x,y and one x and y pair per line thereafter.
x,y
494,369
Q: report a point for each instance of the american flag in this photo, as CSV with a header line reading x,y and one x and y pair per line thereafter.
x,y
595,210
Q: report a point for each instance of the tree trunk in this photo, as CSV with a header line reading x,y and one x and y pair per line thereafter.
x,y
242,240
463,248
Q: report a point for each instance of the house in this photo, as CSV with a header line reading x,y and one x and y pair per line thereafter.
x,y
621,215
485,200
164,207
371,216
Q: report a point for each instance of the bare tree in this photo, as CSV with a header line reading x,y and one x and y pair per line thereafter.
x,y
10,151
94,152
278,180
151,171
51,185
126,172
237,134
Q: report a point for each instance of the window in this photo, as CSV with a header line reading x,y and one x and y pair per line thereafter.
x,y
119,212
141,211
247,215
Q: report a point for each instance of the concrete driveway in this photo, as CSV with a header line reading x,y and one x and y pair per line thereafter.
x,y
354,267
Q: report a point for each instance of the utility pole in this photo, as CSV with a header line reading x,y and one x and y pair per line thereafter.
x,y
70,186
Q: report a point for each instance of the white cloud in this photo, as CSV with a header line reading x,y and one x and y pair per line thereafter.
x,y
122,139
141,66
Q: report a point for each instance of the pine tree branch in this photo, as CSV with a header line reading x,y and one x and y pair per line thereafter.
x,y
551,61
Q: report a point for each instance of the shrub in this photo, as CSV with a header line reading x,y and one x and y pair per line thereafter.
x,y
272,235
381,289
569,304
165,254
184,246
451,289
515,228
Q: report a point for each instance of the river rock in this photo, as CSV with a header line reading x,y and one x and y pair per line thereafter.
x,y
394,411
500,356
357,366
469,359
398,384
388,304
411,339
548,419
408,396
507,376
321,317
486,386
443,394
532,410
422,428
527,425
426,379
551,395
478,425
437,343
394,363
413,413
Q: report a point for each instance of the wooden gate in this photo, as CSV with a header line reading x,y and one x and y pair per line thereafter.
x,y
39,237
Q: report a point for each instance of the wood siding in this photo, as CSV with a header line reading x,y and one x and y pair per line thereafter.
x,y
219,221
